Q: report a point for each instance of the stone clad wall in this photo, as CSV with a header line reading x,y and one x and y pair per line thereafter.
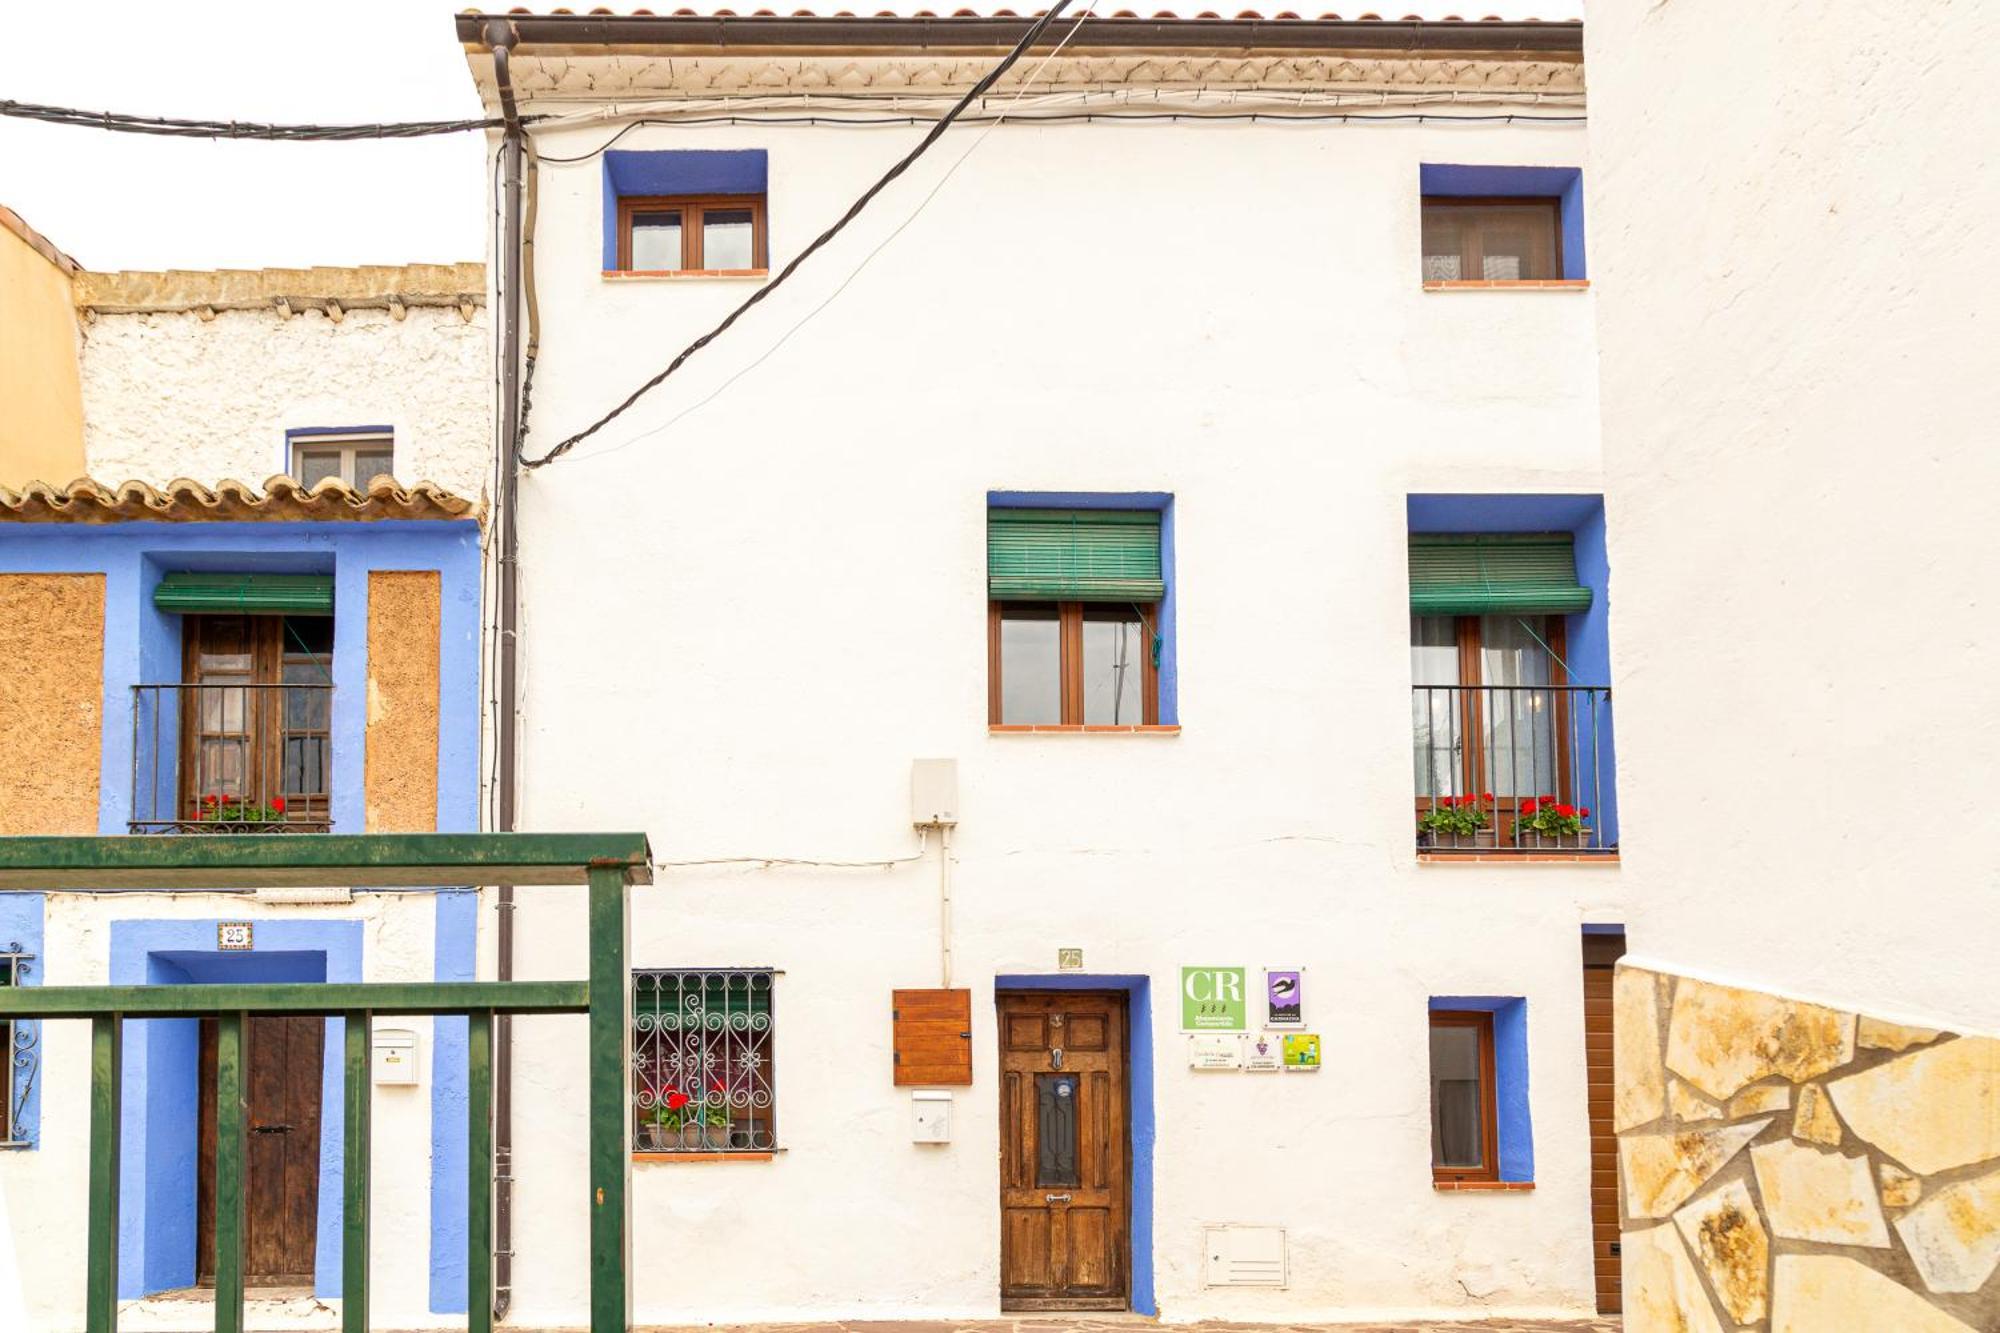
x,y
1790,1167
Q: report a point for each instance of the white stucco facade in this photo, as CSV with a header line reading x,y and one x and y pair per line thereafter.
x,y
740,627
172,394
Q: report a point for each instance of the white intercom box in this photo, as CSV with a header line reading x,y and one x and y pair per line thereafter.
x,y
930,1117
395,1056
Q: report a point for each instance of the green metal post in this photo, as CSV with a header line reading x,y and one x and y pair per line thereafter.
x,y
354,1216
107,1040
231,1161
479,1172
610,1068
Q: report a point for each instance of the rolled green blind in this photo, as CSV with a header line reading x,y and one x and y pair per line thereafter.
x,y
246,594
1495,573
1074,555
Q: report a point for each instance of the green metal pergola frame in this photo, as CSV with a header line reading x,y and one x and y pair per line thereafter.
x,y
606,862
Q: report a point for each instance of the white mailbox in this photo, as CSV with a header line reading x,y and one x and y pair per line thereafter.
x,y
395,1055
930,1117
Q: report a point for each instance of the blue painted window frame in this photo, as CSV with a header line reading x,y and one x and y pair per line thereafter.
x,y
1516,1131
1161,502
631,173
1445,180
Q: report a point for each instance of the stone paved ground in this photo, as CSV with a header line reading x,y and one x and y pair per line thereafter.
x,y
1129,1324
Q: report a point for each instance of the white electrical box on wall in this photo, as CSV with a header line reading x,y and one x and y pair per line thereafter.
x,y
1244,1257
933,791
394,1055
930,1117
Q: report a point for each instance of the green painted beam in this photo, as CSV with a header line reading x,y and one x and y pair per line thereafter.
x,y
479,1172
232,1164
357,1134
315,997
371,860
107,1036
610,1069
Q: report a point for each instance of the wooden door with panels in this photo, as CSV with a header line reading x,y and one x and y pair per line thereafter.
x,y
283,1069
1064,1151
1601,953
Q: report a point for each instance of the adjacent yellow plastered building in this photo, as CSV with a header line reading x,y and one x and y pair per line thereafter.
x,y
41,430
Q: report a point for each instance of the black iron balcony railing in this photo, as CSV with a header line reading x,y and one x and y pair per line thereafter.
x,y
1514,768
232,758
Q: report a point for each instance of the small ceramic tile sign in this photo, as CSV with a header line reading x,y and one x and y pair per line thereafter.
x,y
1213,999
1069,960
234,935
1215,1050
1261,1054
1284,997
1302,1052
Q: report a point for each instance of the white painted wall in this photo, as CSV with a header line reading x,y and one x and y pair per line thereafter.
x,y
1798,398
740,630
46,1186
170,395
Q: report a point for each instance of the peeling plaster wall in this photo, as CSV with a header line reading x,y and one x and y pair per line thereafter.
x,y
173,395
1798,403
740,630
1794,1167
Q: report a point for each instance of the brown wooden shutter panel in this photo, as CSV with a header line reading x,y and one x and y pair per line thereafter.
x,y
933,1037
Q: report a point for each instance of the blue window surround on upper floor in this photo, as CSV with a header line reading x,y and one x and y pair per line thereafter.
x,y
643,173
1510,1076
1563,184
1587,634
1169,613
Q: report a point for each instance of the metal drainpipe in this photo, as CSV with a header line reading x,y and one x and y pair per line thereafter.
x,y
500,38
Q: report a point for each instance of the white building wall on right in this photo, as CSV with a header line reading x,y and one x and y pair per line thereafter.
x,y
1786,205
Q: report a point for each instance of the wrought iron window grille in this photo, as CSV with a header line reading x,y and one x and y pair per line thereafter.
x,y
23,1053
703,1077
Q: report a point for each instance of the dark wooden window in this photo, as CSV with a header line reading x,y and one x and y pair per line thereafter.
x,y
1465,1140
1495,240
256,721
692,234
1072,663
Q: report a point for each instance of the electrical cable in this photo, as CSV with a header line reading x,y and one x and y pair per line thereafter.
x,y
765,862
936,132
175,127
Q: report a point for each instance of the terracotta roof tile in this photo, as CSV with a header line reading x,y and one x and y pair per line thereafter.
x,y
184,501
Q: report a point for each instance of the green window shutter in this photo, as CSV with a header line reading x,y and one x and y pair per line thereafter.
x,y
1495,573
246,594
1074,555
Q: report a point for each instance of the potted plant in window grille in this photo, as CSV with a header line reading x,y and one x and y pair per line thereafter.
x,y
219,812
1549,824
1458,822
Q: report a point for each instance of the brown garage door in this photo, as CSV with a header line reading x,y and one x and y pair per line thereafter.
x,y
1601,953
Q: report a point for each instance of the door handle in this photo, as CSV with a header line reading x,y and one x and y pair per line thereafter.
x,y
1055,1198
270,1129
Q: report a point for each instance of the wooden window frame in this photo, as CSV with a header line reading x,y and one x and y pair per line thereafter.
x,y
1070,617
1471,715
691,208
1489,1100
1471,249
264,712
348,447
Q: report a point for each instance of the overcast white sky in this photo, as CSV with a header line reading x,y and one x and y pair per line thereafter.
x,y
130,201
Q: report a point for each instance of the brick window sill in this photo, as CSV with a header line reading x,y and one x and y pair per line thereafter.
x,y
685,274
1490,285
1081,729
1483,1186
701,1158
1517,858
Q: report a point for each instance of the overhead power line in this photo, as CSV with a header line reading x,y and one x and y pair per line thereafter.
x,y
238,129
977,91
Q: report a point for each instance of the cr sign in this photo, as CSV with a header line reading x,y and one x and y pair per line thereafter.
x,y
1213,999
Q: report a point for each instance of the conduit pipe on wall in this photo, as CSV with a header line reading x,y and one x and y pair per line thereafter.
x,y
499,36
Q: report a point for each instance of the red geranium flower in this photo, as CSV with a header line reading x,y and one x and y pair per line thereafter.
x,y
676,1099
1528,807
208,799
1583,811
278,804
1487,797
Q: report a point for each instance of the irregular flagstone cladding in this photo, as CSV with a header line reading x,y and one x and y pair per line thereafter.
x,y
1662,1170
1815,1121
1641,1094
1954,1236
1875,1034
1900,1189
1721,1038
1761,1100
1687,1104
1931,1110
1662,1290
1822,1196
1730,1243
1829,1293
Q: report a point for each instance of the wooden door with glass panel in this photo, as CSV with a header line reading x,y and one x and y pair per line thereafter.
x,y
1063,1152
256,723
1489,711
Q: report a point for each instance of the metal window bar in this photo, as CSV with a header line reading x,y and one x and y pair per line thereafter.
x,y
232,758
703,1078
20,1048
1529,746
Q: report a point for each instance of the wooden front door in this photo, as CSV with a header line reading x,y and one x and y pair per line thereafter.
x,y
1063,1152
1600,961
282,1189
